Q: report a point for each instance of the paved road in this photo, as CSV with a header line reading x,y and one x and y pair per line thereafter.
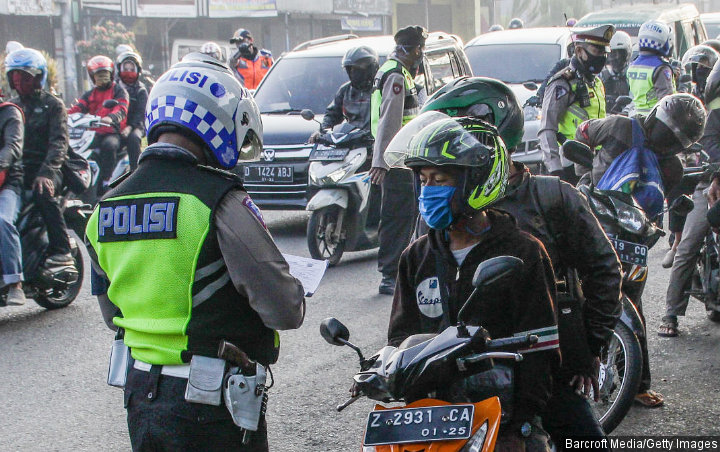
x,y
54,397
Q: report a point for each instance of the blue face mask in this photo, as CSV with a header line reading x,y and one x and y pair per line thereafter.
x,y
435,205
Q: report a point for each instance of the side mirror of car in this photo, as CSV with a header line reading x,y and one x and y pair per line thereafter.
x,y
110,103
307,114
334,332
532,86
577,152
490,273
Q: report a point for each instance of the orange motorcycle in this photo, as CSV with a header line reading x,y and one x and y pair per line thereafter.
x,y
425,366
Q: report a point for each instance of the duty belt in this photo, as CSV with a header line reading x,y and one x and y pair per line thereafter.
x,y
178,371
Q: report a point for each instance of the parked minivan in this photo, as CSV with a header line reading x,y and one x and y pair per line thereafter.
x,y
684,19
308,78
182,47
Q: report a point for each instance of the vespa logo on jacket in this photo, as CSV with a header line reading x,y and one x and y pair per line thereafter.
x,y
429,299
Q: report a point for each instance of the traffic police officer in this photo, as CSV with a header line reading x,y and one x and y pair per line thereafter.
x,y
614,76
573,95
250,63
650,75
182,260
394,103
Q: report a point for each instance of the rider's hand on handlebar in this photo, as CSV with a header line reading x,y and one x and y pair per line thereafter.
x,y
377,175
106,120
313,137
714,192
41,184
583,383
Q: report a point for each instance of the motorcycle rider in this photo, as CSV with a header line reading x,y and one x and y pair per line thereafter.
x,y
250,63
673,124
45,146
614,75
698,61
107,138
11,183
576,244
574,95
393,104
229,284
461,165
213,49
696,224
650,74
515,23
352,101
129,68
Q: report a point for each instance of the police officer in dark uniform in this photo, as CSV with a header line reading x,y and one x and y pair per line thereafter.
x,y
574,95
394,103
183,261
614,76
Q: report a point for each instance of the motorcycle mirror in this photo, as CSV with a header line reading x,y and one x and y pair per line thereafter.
x,y
577,152
307,114
622,102
682,205
489,273
685,78
110,103
334,332
532,86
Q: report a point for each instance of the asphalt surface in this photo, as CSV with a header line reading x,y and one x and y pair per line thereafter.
x,y
53,366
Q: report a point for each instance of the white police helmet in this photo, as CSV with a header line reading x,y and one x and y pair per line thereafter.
x,y
621,41
202,96
655,35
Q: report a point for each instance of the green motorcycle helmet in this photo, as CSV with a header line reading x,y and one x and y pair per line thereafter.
x,y
482,97
473,145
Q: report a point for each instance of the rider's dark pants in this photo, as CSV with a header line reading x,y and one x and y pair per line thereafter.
x,y
159,418
398,211
50,209
108,147
568,415
132,143
634,292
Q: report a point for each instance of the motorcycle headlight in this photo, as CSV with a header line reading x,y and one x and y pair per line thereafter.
x,y
475,444
532,113
631,219
337,175
599,208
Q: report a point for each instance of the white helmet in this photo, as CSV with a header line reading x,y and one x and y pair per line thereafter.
x,y
122,48
212,49
202,96
12,46
621,41
657,36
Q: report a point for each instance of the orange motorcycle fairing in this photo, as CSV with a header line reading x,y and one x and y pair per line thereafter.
x,y
485,411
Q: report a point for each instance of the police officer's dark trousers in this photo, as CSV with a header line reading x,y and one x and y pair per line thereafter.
x,y
159,418
397,218
570,416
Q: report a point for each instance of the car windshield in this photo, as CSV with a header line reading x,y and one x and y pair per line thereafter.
x,y
294,84
712,29
520,62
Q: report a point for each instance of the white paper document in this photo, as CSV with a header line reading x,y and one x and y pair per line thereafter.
x,y
308,271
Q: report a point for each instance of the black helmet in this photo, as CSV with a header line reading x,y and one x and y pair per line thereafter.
x,y
361,64
676,122
240,35
516,23
700,55
496,27
714,43
712,85
484,98
472,145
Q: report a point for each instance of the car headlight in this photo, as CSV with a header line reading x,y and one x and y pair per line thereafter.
x,y
475,444
532,113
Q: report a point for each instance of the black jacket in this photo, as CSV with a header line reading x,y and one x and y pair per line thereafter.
x,y
710,140
136,109
349,104
616,85
516,308
46,136
11,128
577,242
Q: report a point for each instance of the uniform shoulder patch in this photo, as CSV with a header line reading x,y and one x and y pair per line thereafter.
x,y
254,210
667,73
397,87
138,219
561,91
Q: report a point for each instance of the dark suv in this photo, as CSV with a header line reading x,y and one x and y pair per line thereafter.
x,y
308,77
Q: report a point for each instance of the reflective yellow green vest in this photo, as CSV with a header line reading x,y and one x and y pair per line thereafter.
x,y
411,107
575,114
640,75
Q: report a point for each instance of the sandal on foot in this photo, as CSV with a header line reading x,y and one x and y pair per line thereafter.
x,y
668,329
650,399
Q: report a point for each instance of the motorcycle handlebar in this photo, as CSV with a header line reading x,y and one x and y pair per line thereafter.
x,y
511,342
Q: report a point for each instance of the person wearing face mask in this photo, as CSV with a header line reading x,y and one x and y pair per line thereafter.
x,y
573,95
614,75
129,67
250,63
45,146
698,61
462,168
650,75
107,138
393,104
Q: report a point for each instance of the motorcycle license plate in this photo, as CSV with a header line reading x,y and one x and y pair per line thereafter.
x,y
417,425
630,253
265,173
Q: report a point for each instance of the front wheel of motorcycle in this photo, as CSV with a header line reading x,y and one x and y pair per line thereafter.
x,y
620,373
324,242
59,298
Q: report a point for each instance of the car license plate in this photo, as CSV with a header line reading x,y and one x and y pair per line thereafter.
x,y
265,173
416,425
630,253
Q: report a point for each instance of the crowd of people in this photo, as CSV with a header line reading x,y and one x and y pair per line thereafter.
x,y
180,220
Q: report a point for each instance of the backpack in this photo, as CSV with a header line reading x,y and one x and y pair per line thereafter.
x,y
637,172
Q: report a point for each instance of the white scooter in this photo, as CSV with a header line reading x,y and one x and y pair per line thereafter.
x,y
345,206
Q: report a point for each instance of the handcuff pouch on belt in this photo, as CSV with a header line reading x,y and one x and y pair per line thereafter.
x,y
119,362
245,396
205,380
